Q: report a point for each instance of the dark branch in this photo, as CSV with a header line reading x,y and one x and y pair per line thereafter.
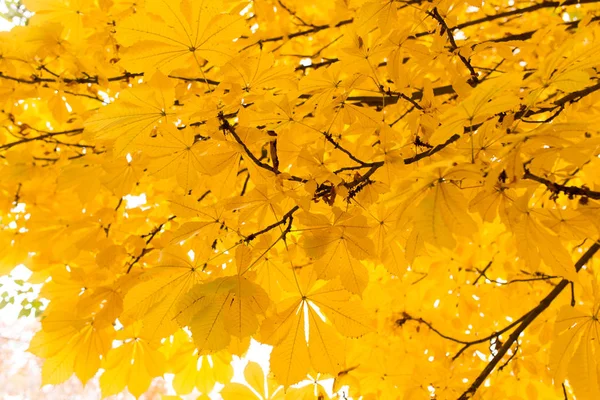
x,y
436,15
527,320
41,137
339,147
482,273
432,151
287,216
520,11
466,343
82,80
305,32
228,128
150,236
538,276
557,188
294,14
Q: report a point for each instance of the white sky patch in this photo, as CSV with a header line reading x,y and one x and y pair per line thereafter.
x,y
306,62
21,272
482,356
10,313
135,201
246,9
258,353
19,208
105,97
459,35
5,25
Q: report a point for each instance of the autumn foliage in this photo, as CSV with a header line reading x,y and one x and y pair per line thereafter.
x,y
399,195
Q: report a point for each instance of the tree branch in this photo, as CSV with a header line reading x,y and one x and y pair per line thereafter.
x,y
432,151
436,15
482,273
83,80
41,137
466,343
520,11
228,128
557,188
339,147
288,215
314,29
150,236
294,14
527,320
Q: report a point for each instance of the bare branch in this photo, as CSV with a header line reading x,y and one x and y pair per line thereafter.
x,y
527,320
288,215
41,138
556,188
149,237
436,15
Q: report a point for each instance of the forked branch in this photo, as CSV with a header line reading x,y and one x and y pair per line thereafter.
x,y
527,319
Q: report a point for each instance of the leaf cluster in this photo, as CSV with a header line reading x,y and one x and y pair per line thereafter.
x,y
397,195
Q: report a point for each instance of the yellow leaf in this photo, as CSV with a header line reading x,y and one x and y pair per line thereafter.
x,y
488,98
348,316
339,249
135,115
255,377
534,243
133,364
255,72
234,391
216,310
290,359
169,37
176,153
158,290
575,351
58,368
70,345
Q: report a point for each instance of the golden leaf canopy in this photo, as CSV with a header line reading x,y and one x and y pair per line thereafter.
x,y
392,199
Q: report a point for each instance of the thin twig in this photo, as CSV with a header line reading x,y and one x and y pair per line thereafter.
x,y
529,318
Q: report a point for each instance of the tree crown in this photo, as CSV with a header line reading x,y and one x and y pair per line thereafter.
x,y
398,195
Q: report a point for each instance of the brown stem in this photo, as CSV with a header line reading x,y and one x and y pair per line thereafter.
x,y
529,318
41,137
557,188
445,29
149,237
